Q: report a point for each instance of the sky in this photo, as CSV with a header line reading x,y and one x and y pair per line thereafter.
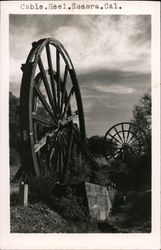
x,y
110,53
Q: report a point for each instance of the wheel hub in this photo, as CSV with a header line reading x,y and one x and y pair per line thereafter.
x,y
125,146
62,124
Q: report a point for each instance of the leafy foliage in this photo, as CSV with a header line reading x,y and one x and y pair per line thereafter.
x,y
142,114
14,121
60,198
14,139
95,144
13,199
41,187
79,169
70,207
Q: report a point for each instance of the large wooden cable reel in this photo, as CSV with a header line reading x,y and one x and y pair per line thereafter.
x,y
50,109
125,141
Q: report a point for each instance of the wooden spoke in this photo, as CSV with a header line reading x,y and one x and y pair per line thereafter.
x,y
51,74
129,130
65,139
115,146
60,164
56,158
64,145
68,102
123,132
74,114
118,135
58,76
51,157
116,151
45,80
64,154
40,119
84,148
112,136
44,102
68,155
61,157
64,88
135,149
66,121
133,135
134,141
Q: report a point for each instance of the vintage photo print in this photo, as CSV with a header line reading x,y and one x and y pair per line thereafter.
x,y
80,130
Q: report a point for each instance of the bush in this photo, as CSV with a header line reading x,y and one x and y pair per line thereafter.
x,y
135,174
70,207
80,170
40,188
14,199
14,157
58,197
95,145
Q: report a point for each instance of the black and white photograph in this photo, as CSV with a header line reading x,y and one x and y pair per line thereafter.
x,y
80,121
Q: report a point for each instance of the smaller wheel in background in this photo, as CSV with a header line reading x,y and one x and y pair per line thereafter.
x,y
124,140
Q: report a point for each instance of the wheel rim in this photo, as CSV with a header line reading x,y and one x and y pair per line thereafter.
x,y
50,105
124,140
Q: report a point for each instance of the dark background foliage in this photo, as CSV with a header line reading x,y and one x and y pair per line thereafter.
x,y
14,129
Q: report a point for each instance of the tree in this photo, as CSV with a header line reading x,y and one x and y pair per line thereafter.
x,y
14,121
142,118
142,114
14,133
95,144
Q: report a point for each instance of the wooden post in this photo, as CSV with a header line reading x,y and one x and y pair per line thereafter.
x,y
23,194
